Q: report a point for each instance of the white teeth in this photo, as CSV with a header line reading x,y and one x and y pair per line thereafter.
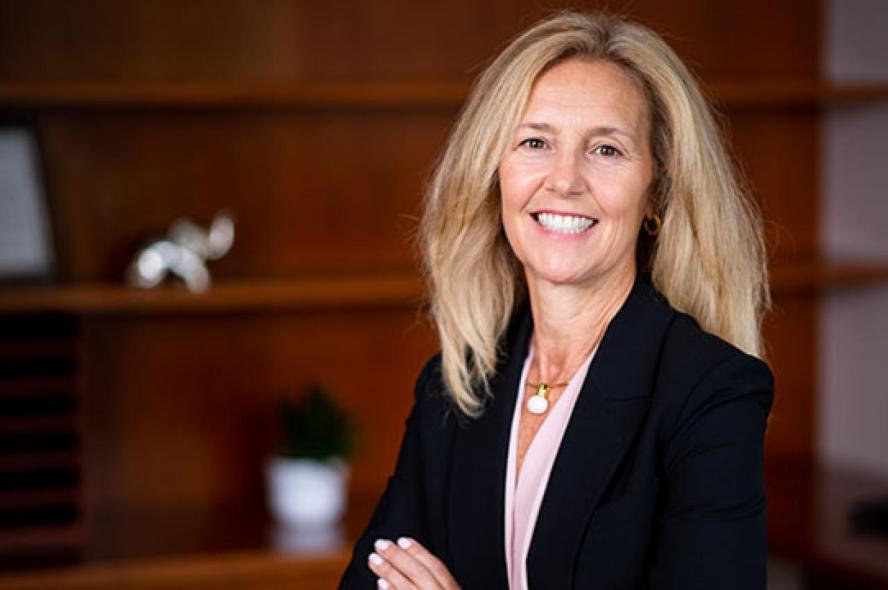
x,y
569,224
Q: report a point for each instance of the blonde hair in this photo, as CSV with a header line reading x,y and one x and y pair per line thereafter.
x,y
708,259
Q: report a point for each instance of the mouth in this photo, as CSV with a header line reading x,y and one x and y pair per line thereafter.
x,y
565,224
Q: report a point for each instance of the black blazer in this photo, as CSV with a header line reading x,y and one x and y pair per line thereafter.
x,y
658,482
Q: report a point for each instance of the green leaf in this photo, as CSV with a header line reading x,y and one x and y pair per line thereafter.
x,y
316,428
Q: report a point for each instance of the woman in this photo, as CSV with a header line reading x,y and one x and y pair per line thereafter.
x,y
577,430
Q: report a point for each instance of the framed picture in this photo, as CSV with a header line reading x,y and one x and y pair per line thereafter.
x,y
25,234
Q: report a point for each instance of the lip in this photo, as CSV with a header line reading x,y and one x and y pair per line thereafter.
x,y
536,212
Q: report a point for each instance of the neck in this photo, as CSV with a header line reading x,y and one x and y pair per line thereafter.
x,y
569,322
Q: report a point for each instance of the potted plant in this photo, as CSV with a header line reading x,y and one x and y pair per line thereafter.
x,y
307,478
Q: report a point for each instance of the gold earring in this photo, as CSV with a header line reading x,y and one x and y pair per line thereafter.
x,y
652,224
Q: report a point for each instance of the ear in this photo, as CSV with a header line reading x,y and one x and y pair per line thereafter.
x,y
651,205
655,202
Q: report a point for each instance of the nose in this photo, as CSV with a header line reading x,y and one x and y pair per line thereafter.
x,y
565,175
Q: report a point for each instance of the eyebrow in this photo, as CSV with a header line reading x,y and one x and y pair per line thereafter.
x,y
600,130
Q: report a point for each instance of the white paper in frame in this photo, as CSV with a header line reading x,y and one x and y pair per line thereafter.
x,y
25,241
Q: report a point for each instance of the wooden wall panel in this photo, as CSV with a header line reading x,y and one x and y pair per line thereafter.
x,y
779,151
791,336
312,192
181,409
317,191
204,40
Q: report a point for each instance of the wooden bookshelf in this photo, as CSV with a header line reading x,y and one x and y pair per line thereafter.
x,y
318,127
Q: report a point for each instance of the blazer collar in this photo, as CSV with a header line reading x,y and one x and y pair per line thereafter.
x,y
609,410
478,474
610,407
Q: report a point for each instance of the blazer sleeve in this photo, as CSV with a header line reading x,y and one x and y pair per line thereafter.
x,y
399,511
713,531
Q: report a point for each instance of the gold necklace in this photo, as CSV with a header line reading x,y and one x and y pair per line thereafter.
x,y
538,403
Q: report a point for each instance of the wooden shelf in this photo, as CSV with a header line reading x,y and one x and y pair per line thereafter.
x,y
39,538
253,570
370,95
242,296
39,461
38,424
336,292
856,93
792,94
197,547
39,386
35,499
812,275
346,95
38,348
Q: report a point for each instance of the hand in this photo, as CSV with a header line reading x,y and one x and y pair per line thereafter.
x,y
406,565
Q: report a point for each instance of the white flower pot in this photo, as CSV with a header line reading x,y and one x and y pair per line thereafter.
x,y
305,492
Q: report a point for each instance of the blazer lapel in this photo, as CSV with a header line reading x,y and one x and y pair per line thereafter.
x,y
611,406
478,474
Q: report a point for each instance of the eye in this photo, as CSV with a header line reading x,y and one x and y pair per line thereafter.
x,y
534,143
608,151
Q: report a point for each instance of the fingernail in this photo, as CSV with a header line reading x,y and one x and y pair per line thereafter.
x,y
380,583
374,559
381,544
404,543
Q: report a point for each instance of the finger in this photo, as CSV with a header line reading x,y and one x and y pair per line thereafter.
x,y
389,577
433,564
406,564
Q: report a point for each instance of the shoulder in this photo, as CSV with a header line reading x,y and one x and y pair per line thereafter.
x,y
671,350
431,404
691,357
707,388
429,382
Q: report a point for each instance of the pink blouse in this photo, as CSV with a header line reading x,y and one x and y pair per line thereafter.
x,y
524,496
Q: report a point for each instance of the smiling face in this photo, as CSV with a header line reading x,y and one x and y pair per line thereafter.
x,y
574,180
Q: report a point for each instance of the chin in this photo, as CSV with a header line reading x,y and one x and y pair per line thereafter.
x,y
561,277
586,276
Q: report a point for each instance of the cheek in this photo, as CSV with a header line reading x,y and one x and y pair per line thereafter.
x,y
510,224
510,196
509,201
519,181
514,222
514,198
627,207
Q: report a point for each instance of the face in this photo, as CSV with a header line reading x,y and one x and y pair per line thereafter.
x,y
574,180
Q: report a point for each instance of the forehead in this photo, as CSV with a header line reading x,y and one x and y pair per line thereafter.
x,y
599,90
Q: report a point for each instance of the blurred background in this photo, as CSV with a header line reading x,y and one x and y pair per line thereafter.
x,y
135,424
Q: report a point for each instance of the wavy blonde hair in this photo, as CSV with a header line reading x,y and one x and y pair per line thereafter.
x,y
708,259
